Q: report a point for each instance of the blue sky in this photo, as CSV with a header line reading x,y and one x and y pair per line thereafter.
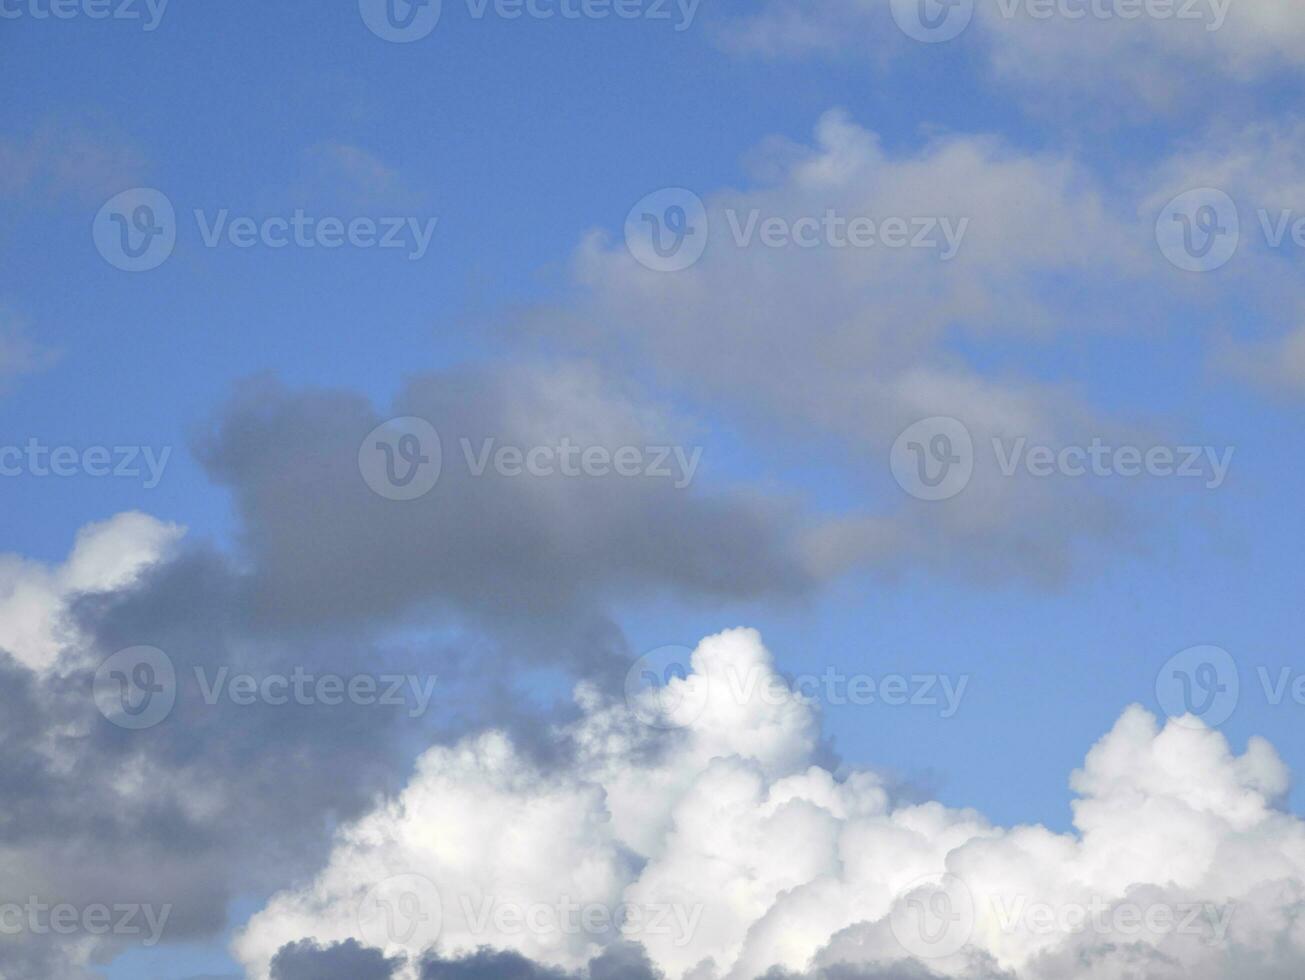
x,y
524,137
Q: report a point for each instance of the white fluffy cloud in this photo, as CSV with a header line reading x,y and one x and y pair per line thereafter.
x,y
107,556
763,859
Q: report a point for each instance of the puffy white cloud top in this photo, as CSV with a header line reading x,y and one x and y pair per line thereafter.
x,y
719,846
106,557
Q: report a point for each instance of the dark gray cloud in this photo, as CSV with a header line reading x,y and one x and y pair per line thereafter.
x,y
342,961
624,961
306,960
536,559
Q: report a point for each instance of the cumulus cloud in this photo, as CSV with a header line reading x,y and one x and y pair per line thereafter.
x,y
35,597
718,846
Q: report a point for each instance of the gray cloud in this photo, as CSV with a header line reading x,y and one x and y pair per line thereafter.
x,y
343,961
533,558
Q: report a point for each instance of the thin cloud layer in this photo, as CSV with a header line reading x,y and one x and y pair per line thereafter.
x,y
1120,60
